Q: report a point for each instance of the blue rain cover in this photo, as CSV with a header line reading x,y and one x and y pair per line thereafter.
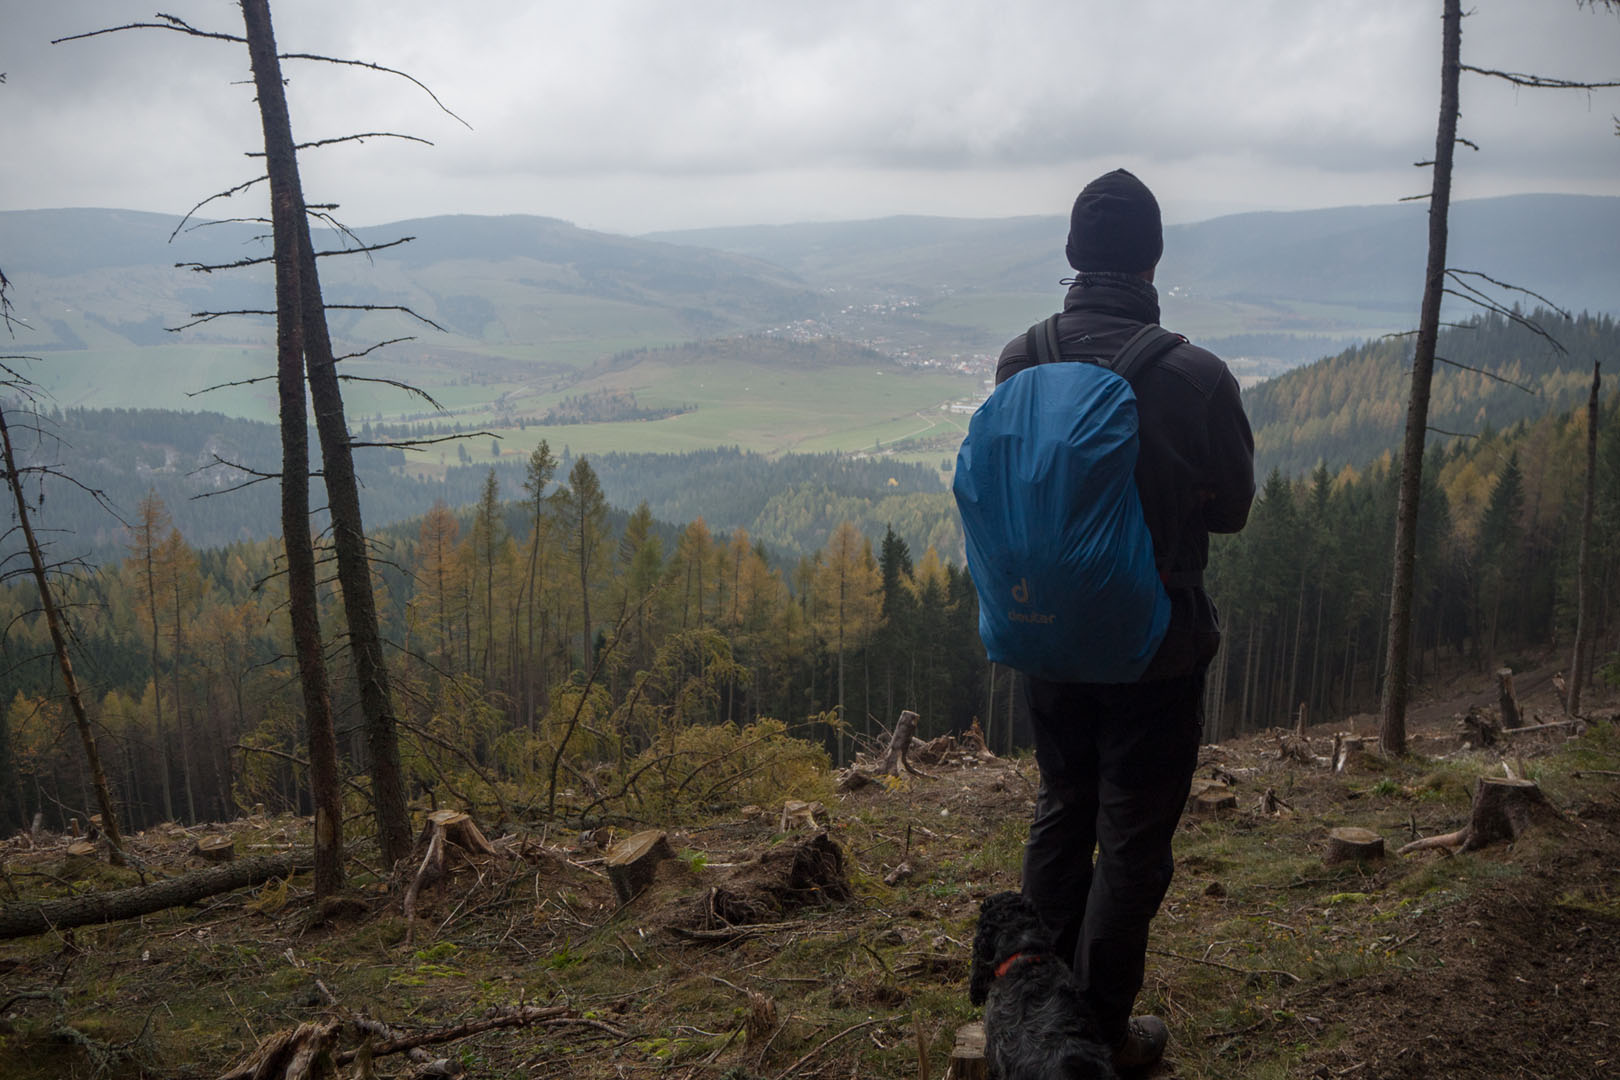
x,y
1056,543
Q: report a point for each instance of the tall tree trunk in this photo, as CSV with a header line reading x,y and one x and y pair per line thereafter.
x,y
1578,665
179,710
150,543
337,460
287,215
53,622
1392,729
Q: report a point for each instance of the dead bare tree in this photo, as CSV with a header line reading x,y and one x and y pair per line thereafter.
x,y
1392,728
1579,664
317,363
14,475
343,493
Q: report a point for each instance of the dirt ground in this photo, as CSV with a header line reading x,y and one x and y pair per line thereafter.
x,y
744,963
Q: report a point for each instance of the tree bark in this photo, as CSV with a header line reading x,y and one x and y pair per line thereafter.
x,y
287,214
1392,730
1583,574
53,621
21,920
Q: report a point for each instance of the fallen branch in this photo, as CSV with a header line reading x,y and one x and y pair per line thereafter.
x,y
506,1018
21,920
1250,972
791,1069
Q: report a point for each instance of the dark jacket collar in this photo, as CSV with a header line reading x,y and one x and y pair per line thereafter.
x,y
1125,295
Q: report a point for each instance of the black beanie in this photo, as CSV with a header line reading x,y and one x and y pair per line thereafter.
x,y
1115,226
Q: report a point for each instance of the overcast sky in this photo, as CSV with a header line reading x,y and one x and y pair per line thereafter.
x,y
635,116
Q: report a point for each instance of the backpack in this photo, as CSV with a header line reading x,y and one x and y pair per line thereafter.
x,y
1057,546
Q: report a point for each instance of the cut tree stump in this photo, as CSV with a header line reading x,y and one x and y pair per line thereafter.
x,y
633,862
967,1056
442,830
797,814
1504,808
1352,844
20,920
215,848
1210,797
80,849
459,829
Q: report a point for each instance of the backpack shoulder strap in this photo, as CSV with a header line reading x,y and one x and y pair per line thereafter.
x,y
1041,341
1144,349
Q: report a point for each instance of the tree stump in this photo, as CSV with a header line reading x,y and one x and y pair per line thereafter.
x,y
967,1056
215,848
459,829
81,849
894,758
799,814
1352,844
1348,751
1482,728
633,862
1504,808
1505,698
1210,797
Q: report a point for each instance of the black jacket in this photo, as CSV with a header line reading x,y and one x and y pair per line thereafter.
x,y
1195,470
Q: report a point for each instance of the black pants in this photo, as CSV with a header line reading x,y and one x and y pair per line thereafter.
x,y
1116,766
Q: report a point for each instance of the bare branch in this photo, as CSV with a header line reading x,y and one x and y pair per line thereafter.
x,y
200,317
385,70
361,137
234,382
208,268
237,190
1453,434
169,22
1539,82
1455,275
417,444
387,307
1491,375
371,349
1509,314
398,385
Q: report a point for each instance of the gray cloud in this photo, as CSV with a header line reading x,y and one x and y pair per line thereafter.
x,y
635,116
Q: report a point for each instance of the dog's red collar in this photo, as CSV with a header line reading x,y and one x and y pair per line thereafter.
x,y
1006,965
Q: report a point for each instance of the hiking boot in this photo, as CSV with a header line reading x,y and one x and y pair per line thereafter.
x,y
1144,1043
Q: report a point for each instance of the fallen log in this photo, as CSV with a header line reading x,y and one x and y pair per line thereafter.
x,y
21,920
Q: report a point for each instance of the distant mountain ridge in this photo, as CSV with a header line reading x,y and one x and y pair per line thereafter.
x,y
1562,246
530,303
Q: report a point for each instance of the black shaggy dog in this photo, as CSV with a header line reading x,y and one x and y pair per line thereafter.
x,y
1036,1024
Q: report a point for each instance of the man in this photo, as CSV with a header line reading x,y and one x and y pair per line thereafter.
x,y
1117,760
